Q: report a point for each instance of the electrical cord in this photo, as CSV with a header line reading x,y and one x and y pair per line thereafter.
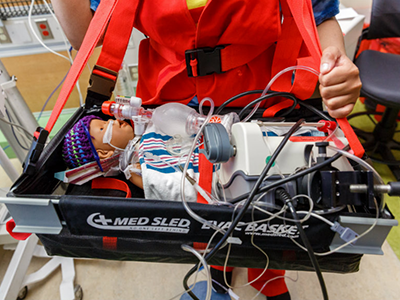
x,y
69,58
223,105
283,195
206,268
13,132
252,194
362,113
384,162
316,111
48,98
17,125
271,95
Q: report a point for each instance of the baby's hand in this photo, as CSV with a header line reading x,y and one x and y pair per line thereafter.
x,y
340,83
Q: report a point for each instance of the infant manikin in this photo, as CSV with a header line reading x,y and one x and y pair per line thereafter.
x,y
146,161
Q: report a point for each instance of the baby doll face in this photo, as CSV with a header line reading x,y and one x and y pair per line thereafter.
x,y
122,133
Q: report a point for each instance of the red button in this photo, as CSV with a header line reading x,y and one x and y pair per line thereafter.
x,y
42,26
45,33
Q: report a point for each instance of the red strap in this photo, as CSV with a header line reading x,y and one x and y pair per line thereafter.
x,y
95,30
10,225
205,176
111,184
193,64
110,243
298,45
352,138
117,36
272,110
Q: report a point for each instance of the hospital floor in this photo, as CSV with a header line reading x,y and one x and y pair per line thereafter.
x,y
378,277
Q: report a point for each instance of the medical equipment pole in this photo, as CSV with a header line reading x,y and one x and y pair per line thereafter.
x,y
19,112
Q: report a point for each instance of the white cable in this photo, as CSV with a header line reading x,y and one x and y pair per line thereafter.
x,y
205,251
37,37
275,278
349,242
205,267
318,217
69,58
255,246
182,183
305,68
276,215
66,46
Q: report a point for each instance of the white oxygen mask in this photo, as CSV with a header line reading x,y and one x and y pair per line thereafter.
x,y
108,135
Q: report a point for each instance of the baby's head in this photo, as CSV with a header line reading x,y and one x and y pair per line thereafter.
x,y
105,137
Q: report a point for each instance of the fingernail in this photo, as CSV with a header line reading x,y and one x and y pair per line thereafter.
x,y
324,67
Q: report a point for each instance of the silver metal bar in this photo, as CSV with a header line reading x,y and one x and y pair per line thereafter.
x,y
20,114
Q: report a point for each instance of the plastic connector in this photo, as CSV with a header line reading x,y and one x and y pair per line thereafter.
x,y
217,146
328,125
346,234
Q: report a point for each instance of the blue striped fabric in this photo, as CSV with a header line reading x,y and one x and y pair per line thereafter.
x,y
153,152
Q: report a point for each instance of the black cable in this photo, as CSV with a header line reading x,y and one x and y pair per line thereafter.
x,y
384,162
220,108
241,213
13,132
316,111
271,95
291,177
283,195
368,112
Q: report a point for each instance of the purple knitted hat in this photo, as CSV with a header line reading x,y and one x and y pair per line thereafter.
x,y
76,148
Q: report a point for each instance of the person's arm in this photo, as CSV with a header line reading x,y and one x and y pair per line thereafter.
x,y
74,17
339,79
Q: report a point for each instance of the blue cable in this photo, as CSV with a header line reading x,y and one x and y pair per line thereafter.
x,y
52,93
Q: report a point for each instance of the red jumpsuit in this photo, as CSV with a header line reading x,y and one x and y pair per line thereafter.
x,y
256,46
248,30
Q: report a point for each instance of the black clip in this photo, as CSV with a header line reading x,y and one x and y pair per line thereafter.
x,y
208,61
36,149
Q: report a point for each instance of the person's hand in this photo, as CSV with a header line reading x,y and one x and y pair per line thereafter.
x,y
340,83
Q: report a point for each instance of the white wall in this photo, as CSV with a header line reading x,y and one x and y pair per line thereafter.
x,y
363,7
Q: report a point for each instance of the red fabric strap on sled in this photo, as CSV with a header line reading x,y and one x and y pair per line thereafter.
x,y
298,38
111,184
95,30
205,176
110,243
117,38
114,46
352,138
21,236
297,45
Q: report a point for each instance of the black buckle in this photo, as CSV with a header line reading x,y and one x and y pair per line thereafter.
x,y
36,149
102,85
208,60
